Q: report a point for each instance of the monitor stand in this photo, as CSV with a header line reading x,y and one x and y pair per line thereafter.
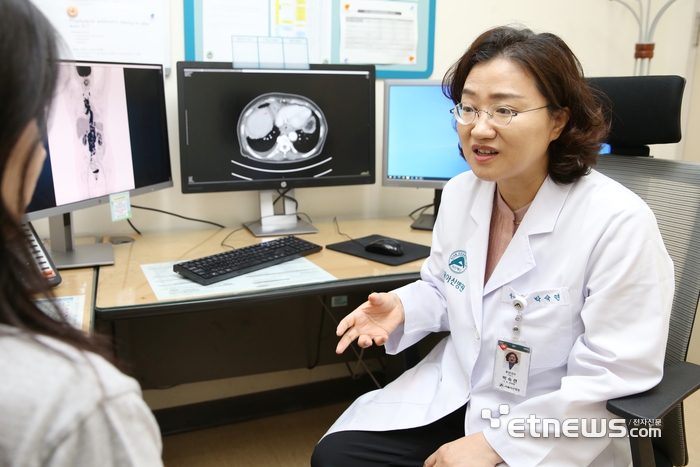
x,y
427,221
271,224
424,222
66,255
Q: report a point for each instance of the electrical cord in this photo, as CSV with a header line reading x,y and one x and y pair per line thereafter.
x,y
359,355
422,209
173,214
223,242
355,374
318,342
132,226
283,194
337,229
248,224
307,217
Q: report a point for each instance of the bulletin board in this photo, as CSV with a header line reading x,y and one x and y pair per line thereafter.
x,y
124,31
395,35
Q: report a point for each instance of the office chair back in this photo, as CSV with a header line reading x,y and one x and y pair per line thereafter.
x,y
645,110
672,190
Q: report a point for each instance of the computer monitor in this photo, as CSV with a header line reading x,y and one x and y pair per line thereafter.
x,y
420,140
274,130
106,134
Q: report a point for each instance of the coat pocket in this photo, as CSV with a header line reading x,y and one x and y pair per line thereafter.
x,y
546,324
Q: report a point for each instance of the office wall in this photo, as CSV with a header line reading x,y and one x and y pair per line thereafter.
x,y
602,33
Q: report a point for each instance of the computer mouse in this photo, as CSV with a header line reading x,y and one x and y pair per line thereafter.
x,y
385,246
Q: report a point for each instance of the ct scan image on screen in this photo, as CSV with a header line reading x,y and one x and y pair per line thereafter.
x,y
283,128
253,129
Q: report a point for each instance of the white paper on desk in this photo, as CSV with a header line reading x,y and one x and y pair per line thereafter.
x,y
380,32
71,308
169,285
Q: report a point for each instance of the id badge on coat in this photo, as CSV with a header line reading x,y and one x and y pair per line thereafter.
x,y
511,368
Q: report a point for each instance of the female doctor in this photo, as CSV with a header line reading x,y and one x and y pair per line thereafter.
x,y
532,251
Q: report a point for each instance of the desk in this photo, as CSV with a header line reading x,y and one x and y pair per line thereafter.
x,y
77,282
182,341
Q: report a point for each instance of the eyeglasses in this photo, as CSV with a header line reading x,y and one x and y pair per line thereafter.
x,y
499,114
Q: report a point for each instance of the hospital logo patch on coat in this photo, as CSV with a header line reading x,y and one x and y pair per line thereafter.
x,y
458,261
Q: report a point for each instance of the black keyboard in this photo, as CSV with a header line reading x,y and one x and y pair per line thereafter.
x,y
215,268
41,258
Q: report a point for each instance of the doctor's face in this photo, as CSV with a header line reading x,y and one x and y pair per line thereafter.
x,y
514,156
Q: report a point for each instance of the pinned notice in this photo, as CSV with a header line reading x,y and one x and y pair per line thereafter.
x,y
120,206
381,32
124,31
270,52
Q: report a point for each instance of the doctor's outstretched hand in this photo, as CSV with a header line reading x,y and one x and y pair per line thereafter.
x,y
372,321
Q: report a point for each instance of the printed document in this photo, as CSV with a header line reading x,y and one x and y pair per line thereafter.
x,y
169,285
381,32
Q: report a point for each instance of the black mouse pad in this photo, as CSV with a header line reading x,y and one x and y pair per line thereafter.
x,y
411,251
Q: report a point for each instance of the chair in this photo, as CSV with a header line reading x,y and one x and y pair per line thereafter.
x,y
672,190
645,110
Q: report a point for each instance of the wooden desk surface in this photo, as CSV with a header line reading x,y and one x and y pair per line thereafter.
x,y
124,285
76,282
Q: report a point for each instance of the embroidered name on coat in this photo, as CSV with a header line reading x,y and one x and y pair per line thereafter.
x,y
453,281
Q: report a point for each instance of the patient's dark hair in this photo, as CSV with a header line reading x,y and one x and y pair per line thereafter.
x,y
28,53
559,78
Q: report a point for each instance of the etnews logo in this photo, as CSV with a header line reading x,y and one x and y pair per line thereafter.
x,y
572,427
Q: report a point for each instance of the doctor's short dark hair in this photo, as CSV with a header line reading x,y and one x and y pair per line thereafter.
x,y
559,77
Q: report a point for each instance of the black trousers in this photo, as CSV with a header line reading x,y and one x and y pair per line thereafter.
x,y
400,448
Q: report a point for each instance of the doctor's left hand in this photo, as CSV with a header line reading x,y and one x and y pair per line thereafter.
x,y
371,322
469,451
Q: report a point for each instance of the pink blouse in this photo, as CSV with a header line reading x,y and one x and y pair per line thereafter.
x,y
504,223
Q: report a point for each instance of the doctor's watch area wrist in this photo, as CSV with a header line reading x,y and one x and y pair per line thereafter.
x,y
398,304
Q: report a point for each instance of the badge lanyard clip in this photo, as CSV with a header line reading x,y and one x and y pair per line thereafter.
x,y
512,362
519,303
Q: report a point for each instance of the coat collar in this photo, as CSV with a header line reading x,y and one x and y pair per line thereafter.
x,y
546,207
540,218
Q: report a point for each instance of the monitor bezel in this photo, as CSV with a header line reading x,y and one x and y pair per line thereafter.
x,y
104,199
291,183
88,203
386,181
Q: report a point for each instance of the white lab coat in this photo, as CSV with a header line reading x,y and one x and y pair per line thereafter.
x,y
595,246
